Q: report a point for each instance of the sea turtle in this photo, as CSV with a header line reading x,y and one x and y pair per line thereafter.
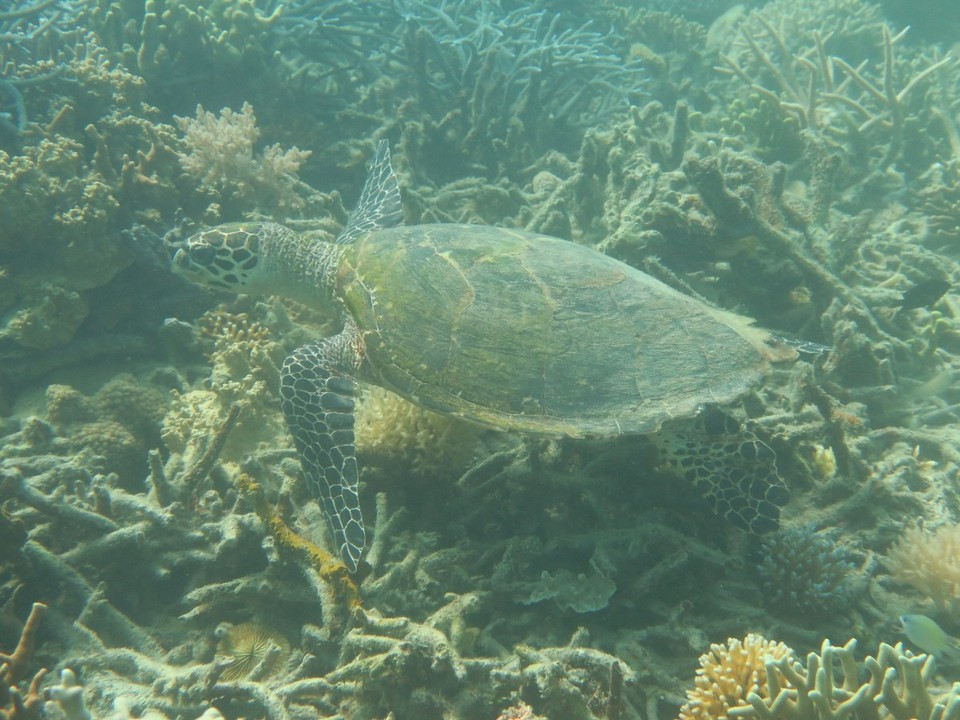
x,y
503,327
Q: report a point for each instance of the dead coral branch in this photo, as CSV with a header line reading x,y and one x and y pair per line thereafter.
x,y
13,667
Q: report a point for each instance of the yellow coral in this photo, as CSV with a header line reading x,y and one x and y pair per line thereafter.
x,y
930,562
393,432
329,567
728,674
824,461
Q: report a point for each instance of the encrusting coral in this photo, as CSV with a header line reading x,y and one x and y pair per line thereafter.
x,y
929,561
329,567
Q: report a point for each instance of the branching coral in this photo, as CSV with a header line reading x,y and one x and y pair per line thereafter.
x,y
773,685
930,562
574,682
895,690
495,88
864,117
14,667
728,674
219,153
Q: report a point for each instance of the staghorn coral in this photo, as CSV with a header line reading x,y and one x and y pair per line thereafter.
x,y
728,674
13,666
852,23
929,561
866,115
68,697
939,199
394,654
805,572
218,152
161,39
495,88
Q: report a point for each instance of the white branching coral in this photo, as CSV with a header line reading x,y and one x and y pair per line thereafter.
x,y
218,152
930,562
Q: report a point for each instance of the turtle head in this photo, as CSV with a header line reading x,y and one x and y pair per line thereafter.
x,y
226,257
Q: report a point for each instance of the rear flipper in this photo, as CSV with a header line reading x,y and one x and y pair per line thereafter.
x,y
735,470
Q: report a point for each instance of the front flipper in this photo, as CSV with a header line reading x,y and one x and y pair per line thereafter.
x,y
317,401
732,467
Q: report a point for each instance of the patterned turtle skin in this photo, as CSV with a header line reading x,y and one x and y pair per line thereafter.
x,y
506,328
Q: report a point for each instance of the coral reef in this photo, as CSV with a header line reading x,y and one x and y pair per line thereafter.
x,y
796,161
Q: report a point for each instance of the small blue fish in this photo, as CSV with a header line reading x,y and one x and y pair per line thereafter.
x,y
929,637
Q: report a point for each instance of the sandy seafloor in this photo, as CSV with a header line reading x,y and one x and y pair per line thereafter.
x,y
795,161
